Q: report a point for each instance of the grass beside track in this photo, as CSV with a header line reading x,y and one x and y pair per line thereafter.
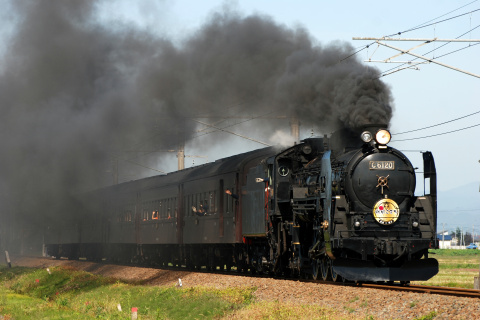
x,y
69,294
457,268
65,293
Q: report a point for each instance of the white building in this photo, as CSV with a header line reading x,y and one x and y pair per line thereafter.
x,y
444,241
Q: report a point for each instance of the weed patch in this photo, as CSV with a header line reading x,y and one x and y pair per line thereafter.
x,y
63,293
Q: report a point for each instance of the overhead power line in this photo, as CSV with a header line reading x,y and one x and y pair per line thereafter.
x,y
236,134
438,124
443,15
438,134
431,24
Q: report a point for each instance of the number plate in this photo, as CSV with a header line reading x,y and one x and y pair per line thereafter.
x,y
382,165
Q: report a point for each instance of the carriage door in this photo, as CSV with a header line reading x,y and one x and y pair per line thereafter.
x,y
179,211
221,209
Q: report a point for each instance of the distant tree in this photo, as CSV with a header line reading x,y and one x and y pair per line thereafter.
x,y
458,234
468,238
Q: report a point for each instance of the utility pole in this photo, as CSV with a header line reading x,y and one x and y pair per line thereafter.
x,y
295,128
181,155
443,235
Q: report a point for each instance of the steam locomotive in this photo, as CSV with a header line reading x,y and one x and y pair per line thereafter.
x,y
341,207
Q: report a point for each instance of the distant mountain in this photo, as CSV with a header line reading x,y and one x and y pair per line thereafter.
x,y
460,207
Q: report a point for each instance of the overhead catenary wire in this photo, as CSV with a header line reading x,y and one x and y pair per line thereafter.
x,y
438,134
233,133
438,124
446,54
216,128
431,24
420,26
443,15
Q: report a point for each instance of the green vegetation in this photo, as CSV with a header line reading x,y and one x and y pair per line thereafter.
x,y
457,268
429,316
69,294
455,252
64,293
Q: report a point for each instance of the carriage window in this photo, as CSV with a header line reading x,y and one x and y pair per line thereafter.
x,y
227,202
169,208
190,205
212,204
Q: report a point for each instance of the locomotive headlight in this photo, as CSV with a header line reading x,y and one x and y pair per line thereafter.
x,y
383,137
415,224
366,136
357,224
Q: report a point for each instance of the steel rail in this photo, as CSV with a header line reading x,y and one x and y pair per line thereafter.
x,y
458,292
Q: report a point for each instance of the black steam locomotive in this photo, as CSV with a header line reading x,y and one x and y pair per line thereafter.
x,y
338,207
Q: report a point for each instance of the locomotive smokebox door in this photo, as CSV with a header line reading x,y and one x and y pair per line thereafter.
x,y
382,175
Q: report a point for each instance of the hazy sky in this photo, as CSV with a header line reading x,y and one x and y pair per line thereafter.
x,y
422,98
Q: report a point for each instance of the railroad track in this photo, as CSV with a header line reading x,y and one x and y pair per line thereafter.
x,y
450,291
458,292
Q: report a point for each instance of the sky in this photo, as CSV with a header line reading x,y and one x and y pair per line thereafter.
x,y
427,97
422,98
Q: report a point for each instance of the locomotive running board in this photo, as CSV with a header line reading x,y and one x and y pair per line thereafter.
x,y
418,270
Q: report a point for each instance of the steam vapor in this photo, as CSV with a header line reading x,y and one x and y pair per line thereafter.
x,y
77,94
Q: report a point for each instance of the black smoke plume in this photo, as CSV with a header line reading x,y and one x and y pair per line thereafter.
x,y
77,95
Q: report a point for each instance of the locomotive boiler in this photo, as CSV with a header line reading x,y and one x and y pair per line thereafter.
x,y
338,207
